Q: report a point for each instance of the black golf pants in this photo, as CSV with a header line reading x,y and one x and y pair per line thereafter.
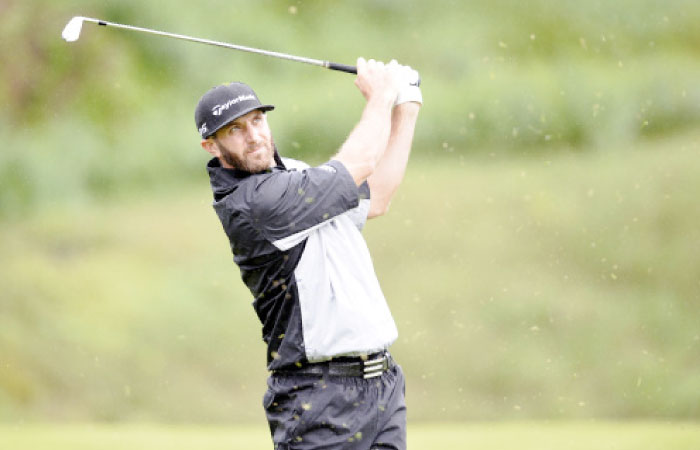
x,y
328,412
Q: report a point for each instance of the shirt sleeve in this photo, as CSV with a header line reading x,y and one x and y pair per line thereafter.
x,y
286,206
359,215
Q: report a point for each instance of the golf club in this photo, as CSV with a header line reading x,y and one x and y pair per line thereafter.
x,y
71,33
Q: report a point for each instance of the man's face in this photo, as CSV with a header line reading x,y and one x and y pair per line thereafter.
x,y
246,143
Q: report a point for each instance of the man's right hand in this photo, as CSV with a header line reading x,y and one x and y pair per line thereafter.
x,y
379,81
380,84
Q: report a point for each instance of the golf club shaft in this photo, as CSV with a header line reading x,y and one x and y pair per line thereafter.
x,y
315,62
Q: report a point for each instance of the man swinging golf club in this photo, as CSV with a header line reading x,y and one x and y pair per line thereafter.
x,y
295,233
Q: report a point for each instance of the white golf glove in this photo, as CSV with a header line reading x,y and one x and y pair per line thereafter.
x,y
410,92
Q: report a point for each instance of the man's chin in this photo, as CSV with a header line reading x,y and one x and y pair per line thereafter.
x,y
253,162
259,165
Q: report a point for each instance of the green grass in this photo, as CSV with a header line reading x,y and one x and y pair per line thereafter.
x,y
445,436
545,286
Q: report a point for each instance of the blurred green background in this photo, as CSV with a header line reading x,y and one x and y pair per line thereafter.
x,y
542,259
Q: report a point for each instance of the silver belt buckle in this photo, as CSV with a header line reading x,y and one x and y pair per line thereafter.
x,y
373,368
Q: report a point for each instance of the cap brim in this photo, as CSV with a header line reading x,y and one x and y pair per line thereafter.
x,y
263,108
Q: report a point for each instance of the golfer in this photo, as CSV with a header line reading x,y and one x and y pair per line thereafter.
x,y
295,233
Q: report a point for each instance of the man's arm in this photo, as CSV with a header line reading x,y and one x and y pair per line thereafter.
x,y
390,170
365,146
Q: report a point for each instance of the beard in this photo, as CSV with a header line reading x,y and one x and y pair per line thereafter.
x,y
256,162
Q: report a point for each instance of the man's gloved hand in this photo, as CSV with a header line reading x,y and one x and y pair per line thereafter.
x,y
409,92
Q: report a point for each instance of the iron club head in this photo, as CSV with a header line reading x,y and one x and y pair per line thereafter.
x,y
71,32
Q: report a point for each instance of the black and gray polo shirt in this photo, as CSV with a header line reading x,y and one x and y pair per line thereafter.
x,y
295,233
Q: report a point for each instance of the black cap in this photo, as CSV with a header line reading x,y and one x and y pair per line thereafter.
x,y
223,104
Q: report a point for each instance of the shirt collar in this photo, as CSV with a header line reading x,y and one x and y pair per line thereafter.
x,y
224,181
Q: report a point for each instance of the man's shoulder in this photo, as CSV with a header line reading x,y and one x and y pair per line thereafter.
x,y
261,192
331,166
291,163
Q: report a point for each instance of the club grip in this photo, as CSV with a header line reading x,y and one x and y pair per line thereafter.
x,y
353,69
342,67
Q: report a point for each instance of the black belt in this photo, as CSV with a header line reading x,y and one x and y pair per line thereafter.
x,y
372,366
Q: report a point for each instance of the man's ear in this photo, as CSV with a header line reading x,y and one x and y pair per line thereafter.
x,y
210,146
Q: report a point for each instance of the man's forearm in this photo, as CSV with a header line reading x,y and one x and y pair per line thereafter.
x,y
366,144
390,170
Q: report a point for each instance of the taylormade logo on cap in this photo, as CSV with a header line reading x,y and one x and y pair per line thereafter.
x,y
218,109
